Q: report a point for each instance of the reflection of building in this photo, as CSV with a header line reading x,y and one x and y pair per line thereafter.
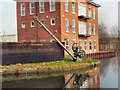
x,y
90,80
94,81
70,21
8,38
67,77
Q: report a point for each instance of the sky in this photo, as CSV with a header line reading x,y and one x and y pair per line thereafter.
x,y
108,13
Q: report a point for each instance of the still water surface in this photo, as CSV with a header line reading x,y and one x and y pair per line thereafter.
x,y
103,76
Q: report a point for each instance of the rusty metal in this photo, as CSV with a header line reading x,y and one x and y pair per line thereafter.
x,y
36,19
30,52
78,53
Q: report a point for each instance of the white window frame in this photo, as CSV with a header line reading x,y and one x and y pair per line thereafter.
x,y
66,6
42,40
43,21
90,45
67,45
22,9
52,40
85,45
74,26
80,43
90,28
94,29
51,21
82,28
94,45
90,12
52,3
73,7
31,24
81,9
31,8
41,6
22,25
74,41
33,41
67,24
94,11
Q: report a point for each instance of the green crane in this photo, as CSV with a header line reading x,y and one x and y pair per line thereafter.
x,y
76,49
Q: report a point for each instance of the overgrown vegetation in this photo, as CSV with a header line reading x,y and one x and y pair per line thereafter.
x,y
66,61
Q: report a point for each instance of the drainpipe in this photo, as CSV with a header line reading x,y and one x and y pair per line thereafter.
x,y
37,23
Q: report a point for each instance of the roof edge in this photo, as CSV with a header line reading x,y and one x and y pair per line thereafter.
x,y
93,3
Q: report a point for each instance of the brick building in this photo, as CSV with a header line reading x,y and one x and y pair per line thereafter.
x,y
70,22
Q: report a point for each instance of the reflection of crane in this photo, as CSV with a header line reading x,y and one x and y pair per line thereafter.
x,y
76,56
79,80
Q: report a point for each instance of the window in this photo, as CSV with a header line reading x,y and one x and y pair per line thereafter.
x,y
67,25
31,8
41,5
67,44
22,9
74,41
94,44
42,40
94,29
85,45
33,41
73,7
82,28
80,43
89,12
52,5
93,13
68,76
81,9
66,5
73,26
42,21
53,21
23,25
52,40
90,29
32,24
90,44
91,81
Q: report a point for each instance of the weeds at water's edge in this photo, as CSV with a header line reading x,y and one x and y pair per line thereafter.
x,y
66,61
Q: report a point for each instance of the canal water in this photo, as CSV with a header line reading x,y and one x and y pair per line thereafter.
x,y
103,76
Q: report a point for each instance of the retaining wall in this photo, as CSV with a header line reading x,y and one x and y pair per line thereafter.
x,y
13,53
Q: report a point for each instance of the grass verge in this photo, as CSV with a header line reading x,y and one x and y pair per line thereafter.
x,y
66,61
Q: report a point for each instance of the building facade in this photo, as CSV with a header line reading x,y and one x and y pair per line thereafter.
x,y
70,21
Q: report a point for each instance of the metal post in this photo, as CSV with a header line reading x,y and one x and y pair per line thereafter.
x,y
37,15
36,19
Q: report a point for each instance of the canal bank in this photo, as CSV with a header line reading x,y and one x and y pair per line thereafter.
x,y
103,76
44,67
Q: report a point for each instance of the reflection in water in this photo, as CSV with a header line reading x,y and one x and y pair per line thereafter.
x,y
109,73
91,79
103,76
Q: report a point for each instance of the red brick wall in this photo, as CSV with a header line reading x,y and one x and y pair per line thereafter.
x,y
70,35
28,35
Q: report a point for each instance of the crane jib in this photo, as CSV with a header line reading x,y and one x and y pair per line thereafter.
x,y
36,19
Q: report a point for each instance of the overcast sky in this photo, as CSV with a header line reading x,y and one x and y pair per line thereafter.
x,y
108,13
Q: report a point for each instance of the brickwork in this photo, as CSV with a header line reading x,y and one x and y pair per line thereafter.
x,y
29,34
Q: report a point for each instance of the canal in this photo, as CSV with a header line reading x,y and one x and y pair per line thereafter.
x,y
103,76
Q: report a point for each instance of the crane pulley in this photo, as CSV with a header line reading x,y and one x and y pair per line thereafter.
x,y
78,53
